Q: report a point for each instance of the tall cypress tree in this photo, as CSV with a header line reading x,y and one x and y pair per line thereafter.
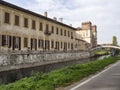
x,y
114,40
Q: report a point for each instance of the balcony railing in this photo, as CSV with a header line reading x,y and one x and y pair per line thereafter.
x,y
47,32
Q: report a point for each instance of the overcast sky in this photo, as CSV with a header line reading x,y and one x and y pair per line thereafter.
x,y
103,13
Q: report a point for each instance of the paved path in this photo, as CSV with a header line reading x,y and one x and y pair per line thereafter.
x,y
109,79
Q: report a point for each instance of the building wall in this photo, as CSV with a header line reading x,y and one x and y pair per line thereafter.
x,y
22,32
83,40
81,45
88,33
86,25
94,30
17,59
19,37
85,35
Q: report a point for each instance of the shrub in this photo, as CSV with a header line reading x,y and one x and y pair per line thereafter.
x,y
61,77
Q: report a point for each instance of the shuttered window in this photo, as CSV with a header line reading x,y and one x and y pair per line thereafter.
x,y
16,20
25,22
7,18
33,24
25,42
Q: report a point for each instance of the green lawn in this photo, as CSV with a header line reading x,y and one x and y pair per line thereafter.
x,y
61,77
100,52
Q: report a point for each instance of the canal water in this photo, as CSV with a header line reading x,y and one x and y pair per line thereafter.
x,y
102,57
13,75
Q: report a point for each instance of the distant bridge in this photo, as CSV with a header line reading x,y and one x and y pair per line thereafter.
x,y
105,46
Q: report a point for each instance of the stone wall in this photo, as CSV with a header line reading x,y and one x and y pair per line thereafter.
x,y
14,66
40,58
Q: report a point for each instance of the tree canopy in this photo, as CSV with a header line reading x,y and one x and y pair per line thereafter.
x,y
114,40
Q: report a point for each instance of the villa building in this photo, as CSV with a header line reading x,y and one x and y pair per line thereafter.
x,y
87,33
21,29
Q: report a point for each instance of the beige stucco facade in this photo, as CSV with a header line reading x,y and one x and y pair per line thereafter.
x,y
88,33
21,29
12,30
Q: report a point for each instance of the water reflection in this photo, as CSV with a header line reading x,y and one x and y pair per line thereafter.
x,y
13,75
102,57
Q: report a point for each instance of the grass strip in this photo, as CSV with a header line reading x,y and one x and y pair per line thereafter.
x,y
100,52
61,77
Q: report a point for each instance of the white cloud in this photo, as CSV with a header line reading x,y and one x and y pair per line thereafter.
x,y
104,13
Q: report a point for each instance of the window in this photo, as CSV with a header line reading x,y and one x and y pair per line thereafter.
x,y
86,34
65,46
57,31
4,40
41,26
47,44
71,46
52,44
33,44
10,41
7,18
64,32
47,27
52,29
40,43
68,45
61,32
71,35
68,34
25,22
25,42
33,24
16,20
16,42
57,45
61,44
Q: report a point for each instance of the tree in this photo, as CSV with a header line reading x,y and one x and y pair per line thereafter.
x,y
114,40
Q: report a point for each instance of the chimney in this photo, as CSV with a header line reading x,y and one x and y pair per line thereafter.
x,y
86,25
61,20
55,18
45,14
71,25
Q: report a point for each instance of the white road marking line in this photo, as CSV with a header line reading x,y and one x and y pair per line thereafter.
x,y
93,77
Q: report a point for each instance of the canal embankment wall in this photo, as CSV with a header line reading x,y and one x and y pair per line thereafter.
x,y
23,58
16,65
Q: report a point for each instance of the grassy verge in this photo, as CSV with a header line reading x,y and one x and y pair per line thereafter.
x,y
100,52
61,77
